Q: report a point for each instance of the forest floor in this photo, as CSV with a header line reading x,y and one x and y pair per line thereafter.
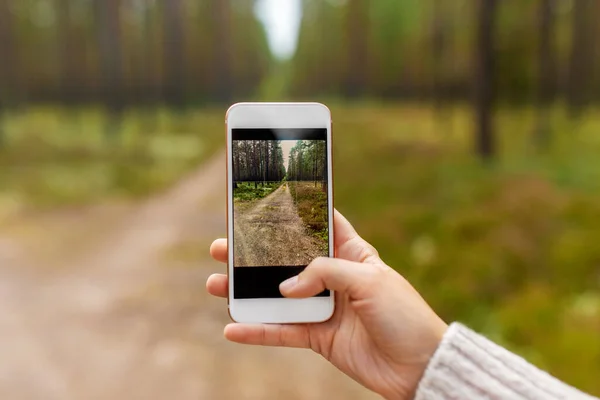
x,y
108,302
271,232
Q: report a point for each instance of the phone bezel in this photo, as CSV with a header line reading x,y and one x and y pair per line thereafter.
x,y
278,115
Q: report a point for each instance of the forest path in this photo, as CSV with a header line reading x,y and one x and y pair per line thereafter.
x,y
108,302
271,232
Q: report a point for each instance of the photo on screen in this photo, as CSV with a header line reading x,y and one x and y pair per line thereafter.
x,y
279,190
279,202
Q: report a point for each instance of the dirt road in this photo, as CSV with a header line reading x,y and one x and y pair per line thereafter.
x,y
270,232
108,302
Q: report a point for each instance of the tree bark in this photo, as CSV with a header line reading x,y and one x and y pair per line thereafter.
x,y
438,42
68,71
108,25
484,79
7,66
174,54
546,72
580,60
267,155
223,46
357,18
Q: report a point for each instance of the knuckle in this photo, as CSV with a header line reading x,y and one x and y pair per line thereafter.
x,y
263,334
281,337
364,252
368,253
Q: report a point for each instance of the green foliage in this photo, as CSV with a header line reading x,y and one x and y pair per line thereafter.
x,y
308,161
510,248
311,201
400,45
54,158
249,191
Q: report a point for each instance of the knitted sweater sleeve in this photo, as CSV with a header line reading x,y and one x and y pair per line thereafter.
x,y
469,366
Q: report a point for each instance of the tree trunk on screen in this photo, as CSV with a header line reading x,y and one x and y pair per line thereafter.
x,y
255,164
247,172
323,158
546,72
357,22
261,161
223,46
267,155
580,60
111,61
300,166
484,79
174,53
235,157
314,150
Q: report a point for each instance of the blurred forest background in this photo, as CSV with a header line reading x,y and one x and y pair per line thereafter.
x,y
467,136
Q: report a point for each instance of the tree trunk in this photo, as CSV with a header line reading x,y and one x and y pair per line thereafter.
x,y
546,72
357,18
484,79
580,61
148,87
223,58
7,65
314,150
268,147
437,37
174,53
68,71
111,61
261,160
247,151
255,162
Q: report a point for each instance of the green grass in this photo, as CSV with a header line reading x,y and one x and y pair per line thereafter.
x,y
311,202
56,157
511,248
249,191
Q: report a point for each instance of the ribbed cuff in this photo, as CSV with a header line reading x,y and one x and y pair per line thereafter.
x,y
469,366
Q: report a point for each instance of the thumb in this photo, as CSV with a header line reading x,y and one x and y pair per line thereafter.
x,y
357,280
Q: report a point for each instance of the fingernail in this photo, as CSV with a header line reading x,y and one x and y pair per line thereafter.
x,y
288,284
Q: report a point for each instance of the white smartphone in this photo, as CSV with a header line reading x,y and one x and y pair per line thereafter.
x,y
279,208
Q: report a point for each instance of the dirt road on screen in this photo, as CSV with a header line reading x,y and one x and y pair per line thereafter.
x,y
270,232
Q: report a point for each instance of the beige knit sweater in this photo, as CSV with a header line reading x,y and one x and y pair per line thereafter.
x,y
468,366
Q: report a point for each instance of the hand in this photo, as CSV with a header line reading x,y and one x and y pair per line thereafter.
x,y
382,333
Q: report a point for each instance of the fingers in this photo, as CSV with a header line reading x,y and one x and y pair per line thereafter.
x,y
269,335
217,285
218,250
355,279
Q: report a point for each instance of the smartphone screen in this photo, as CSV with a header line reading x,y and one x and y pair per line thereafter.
x,y
280,206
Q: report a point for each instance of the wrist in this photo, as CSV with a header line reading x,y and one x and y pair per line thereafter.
x,y
410,374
